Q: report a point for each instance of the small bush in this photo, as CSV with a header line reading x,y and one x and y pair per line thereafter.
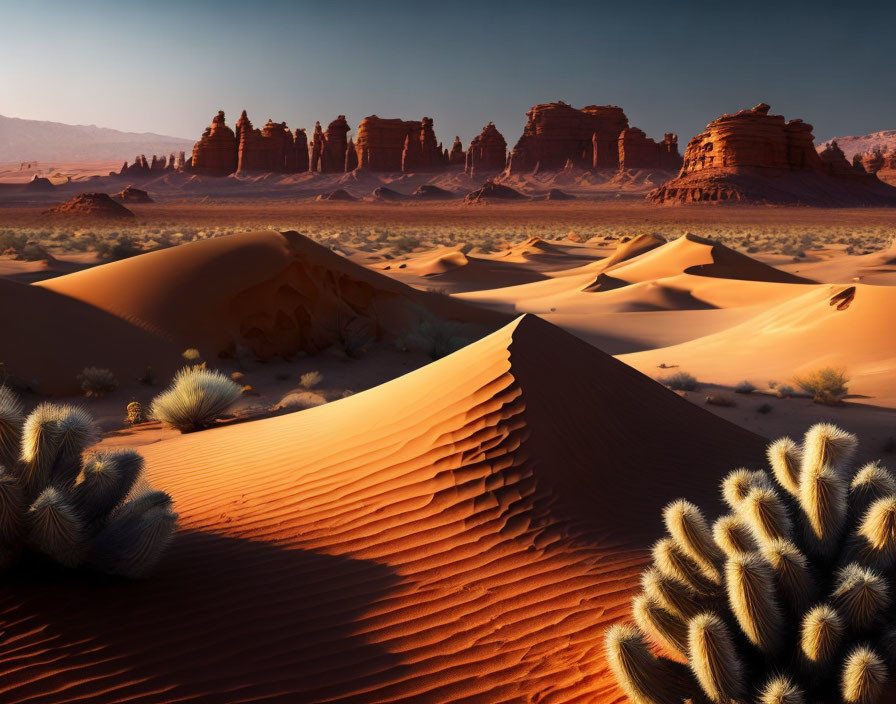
x,y
826,385
764,409
720,400
436,337
135,413
785,391
192,355
680,381
311,379
195,399
97,382
744,387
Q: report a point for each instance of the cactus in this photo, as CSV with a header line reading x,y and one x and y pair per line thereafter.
x,y
714,660
11,420
75,511
644,678
809,556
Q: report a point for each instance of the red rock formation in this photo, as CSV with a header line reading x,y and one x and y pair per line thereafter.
x,y
91,206
398,145
332,156
557,132
271,149
216,153
301,149
317,147
487,152
351,157
457,155
756,157
637,151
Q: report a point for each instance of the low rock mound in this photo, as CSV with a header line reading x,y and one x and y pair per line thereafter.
x,y
427,191
494,191
339,194
557,194
133,195
39,183
388,195
98,206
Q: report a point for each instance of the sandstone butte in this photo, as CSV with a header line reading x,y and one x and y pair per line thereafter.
x,y
487,152
753,156
595,137
880,162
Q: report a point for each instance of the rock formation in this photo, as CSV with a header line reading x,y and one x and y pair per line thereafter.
x,y
493,191
595,137
333,147
757,157
133,195
487,152
390,144
91,206
270,149
457,155
880,162
300,141
217,151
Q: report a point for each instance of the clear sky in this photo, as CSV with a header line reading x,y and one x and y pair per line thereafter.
x,y
168,66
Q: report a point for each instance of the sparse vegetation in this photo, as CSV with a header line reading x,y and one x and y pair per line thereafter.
x,y
135,413
744,387
195,399
435,337
784,391
680,381
720,400
97,382
192,355
786,598
75,510
826,385
311,379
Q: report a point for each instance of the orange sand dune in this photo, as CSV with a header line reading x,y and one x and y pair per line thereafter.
x,y
269,292
849,325
49,338
463,533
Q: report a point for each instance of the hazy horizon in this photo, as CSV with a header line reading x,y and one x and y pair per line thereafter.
x,y
168,68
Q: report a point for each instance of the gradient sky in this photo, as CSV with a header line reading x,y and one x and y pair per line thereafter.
x,y
167,67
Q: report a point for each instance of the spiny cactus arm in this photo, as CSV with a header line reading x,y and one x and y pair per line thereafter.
x,y
864,675
826,446
821,632
55,529
792,575
76,432
12,418
688,527
871,482
877,534
674,596
781,690
714,660
732,534
667,630
766,515
133,542
823,500
785,457
737,484
644,678
40,446
751,596
105,482
861,595
672,562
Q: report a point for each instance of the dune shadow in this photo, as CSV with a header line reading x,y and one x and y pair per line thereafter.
x,y
222,619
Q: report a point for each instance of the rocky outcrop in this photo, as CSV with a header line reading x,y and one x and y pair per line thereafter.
x,y
558,135
334,146
391,144
879,161
487,152
753,156
39,183
133,195
141,168
217,151
492,191
339,195
300,143
91,206
638,151
456,156
270,149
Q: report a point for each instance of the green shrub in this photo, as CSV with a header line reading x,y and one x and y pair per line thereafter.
x,y
680,381
826,385
196,398
311,379
97,382
75,510
803,610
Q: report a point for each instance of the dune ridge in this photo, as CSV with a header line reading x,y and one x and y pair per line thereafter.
x,y
462,533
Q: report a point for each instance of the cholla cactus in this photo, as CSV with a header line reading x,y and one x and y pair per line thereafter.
x,y
73,510
786,600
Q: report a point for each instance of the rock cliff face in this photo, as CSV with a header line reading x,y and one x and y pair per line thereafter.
x,y
217,151
271,148
300,140
333,147
880,162
487,152
558,135
457,155
390,144
753,156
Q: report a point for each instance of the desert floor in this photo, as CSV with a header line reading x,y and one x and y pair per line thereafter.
x,y
408,528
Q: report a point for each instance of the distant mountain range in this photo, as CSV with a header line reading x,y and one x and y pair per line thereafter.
x,y
885,140
36,140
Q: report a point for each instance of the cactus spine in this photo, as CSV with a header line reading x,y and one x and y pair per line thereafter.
x,y
751,595
821,633
861,596
780,690
688,528
714,660
643,678
733,536
863,676
784,456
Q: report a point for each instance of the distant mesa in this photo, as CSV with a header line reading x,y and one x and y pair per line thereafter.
x,y
398,145
756,157
487,152
133,195
428,191
39,183
339,194
87,206
494,191
595,137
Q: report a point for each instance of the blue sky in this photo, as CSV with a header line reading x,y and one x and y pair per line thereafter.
x,y
168,66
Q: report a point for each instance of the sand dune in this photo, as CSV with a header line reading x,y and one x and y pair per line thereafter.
x,y
267,292
853,326
463,533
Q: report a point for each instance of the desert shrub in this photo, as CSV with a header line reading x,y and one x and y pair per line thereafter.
x,y
435,337
680,381
826,385
784,391
311,379
73,509
744,387
192,355
96,381
195,399
764,408
786,598
135,413
720,400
